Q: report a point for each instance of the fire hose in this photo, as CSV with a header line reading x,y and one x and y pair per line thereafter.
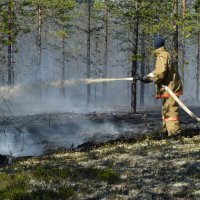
x,y
181,104
149,78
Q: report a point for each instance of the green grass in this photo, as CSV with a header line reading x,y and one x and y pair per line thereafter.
x,y
46,173
76,174
13,186
18,187
20,194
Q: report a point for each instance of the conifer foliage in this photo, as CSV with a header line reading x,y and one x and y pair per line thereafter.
x,y
97,35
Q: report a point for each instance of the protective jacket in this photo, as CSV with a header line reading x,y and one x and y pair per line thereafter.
x,y
166,73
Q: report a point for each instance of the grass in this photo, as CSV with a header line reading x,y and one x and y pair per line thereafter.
x,y
152,168
76,174
20,194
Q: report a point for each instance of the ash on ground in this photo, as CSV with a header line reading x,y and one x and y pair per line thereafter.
x,y
34,135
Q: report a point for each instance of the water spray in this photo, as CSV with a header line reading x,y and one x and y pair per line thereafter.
x,y
13,90
89,81
62,83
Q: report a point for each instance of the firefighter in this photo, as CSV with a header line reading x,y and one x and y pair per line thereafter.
x,y
166,73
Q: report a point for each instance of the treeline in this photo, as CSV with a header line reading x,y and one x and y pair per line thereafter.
x,y
129,24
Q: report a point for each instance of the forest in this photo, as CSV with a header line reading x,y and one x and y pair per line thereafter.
x,y
45,43
76,122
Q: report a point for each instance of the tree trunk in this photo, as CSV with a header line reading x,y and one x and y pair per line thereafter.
x,y
10,63
142,70
175,32
184,7
10,45
89,50
184,41
198,66
96,71
63,69
134,66
105,67
39,48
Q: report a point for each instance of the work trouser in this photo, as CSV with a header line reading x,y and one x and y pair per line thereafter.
x,y
170,116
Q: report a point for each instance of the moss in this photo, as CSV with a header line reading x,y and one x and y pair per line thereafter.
x,y
4,180
193,170
108,175
16,180
20,194
149,167
120,150
76,174
92,155
49,173
15,186
66,192
62,193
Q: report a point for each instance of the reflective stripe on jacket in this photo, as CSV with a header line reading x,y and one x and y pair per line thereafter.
x,y
166,73
170,119
167,95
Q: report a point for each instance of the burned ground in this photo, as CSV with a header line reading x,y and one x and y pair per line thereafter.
x,y
64,130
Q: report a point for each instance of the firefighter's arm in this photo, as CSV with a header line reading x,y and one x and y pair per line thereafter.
x,y
160,69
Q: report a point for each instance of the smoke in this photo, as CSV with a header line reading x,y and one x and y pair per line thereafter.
x,y
48,97
20,144
42,133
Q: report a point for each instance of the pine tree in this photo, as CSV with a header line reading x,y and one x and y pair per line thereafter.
x,y
197,37
57,16
12,24
135,18
9,30
62,18
191,30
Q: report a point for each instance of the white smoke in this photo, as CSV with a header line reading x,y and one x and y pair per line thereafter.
x,y
18,145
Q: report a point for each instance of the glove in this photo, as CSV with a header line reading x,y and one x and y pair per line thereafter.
x,y
147,79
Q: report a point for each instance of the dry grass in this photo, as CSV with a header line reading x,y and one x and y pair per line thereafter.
x,y
149,169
